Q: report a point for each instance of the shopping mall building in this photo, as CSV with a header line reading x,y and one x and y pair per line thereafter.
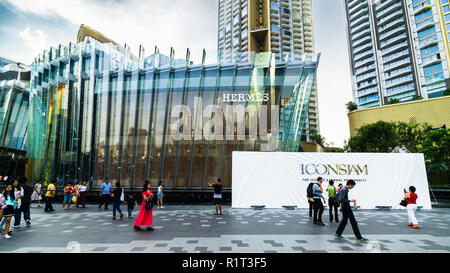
x,y
97,111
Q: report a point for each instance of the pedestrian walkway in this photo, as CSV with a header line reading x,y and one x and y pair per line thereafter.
x,y
194,229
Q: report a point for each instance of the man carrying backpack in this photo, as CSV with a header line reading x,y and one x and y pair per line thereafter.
x,y
347,213
318,206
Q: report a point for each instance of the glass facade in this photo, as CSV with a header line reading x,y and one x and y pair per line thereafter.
x,y
14,106
98,111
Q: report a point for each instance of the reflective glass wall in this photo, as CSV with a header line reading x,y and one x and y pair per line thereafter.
x,y
98,111
14,107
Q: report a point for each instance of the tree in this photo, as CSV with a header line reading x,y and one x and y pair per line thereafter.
x,y
393,101
417,97
379,137
383,137
351,106
436,150
447,92
320,140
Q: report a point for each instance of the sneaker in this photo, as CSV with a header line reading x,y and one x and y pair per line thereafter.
x,y
363,240
320,224
121,216
220,213
16,226
415,227
338,237
162,207
149,228
7,237
28,223
114,218
410,225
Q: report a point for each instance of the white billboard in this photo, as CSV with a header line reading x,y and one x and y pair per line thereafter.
x,y
277,179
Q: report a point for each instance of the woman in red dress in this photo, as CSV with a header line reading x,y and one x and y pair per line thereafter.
x,y
145,216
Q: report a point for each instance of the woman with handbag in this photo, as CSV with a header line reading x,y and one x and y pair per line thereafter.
x,y
411,207
117,199
145,215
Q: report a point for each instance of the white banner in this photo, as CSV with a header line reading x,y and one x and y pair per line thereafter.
x,y
277,179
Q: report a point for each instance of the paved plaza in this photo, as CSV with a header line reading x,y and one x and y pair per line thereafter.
x,y
195,229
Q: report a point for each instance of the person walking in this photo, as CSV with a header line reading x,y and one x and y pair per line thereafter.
x,y
105,194
131,203
50,196
332,192
25,206
18,193
339,187
117,197
82,190
318,206
309,197
160,195
347,213
145,216
37,193
8,211
2,205
411,207
217,195
68,195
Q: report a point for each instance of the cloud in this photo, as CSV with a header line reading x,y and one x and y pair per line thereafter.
x,y
34,40
176,23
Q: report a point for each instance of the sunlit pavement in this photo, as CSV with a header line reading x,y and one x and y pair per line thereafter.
x,y
193,229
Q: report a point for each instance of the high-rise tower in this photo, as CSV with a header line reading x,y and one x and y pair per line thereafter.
x,y
278,26
398,50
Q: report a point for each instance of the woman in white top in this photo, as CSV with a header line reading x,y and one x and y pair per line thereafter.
x,y
82,190
160,195
37,193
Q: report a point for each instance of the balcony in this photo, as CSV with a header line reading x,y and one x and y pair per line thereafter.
x,y
363,55
392,41
357,8
399,81
398,72
359,21
363,12
391,25
397,64
360,28
431,60
362,41
361,34
389,10
392,17
421,8
428,41
393,48
362,70
396,56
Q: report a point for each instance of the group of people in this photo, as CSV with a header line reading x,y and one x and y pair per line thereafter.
x,y
17,197
338,200
15,200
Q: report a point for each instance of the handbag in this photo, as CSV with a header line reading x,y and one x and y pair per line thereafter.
x,y
403,203
149,204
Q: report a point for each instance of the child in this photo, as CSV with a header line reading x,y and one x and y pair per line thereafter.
x,y
131,201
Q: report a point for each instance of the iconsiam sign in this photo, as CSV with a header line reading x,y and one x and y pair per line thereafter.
x,y
98,111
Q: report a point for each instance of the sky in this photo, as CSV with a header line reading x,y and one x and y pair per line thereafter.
x,y
27,27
